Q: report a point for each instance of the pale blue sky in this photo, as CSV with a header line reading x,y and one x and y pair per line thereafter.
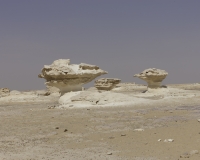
x,y
123,37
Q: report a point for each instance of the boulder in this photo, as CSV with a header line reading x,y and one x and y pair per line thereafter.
x,y
153,77
68,77
106,83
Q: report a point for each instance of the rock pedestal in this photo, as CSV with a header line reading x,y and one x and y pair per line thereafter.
x,y
65,77
106,83
153,77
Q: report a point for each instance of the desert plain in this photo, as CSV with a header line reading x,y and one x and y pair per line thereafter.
x,y
34,129
109,121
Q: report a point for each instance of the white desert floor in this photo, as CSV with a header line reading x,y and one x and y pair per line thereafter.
x,y
121,124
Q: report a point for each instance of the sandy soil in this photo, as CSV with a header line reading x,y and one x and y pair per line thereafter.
x,y
34,132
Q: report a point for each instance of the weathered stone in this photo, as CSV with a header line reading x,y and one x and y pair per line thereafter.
x,y
68,77
109,153
4,92
106,83
153,77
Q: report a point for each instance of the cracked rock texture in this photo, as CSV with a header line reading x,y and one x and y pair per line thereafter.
x,y
106,83
64,77
153,77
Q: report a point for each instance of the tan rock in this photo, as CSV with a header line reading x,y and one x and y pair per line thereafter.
x,y
69,77
153,77
4,92
106,83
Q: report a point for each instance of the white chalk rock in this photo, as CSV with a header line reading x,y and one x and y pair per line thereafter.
x,y
109,153
66,98
66,77
106,83
153,77
169,140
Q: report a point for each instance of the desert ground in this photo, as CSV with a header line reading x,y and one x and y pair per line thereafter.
x,y
38,130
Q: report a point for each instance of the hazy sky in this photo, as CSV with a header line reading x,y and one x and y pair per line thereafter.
x,y
123,37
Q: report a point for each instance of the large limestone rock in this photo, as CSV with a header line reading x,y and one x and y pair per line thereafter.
x,y
4,92
153,97
106,83
153,77
69,77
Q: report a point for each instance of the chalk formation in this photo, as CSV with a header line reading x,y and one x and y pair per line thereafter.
x,y
153,77
4,92
65,77
106,83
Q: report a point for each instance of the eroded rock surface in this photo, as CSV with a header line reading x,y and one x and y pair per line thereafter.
x,y
69,77
125,96
106,83
4,92
153,77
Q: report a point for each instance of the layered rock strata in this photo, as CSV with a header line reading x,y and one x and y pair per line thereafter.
x,y
106,83
153,77
65,77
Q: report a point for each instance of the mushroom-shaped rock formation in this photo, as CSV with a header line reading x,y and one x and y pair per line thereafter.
x,y
65,77
153,77
106,83
4,92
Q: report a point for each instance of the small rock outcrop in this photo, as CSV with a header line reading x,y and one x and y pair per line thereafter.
x,y
65,77
4,92
106,83
153,77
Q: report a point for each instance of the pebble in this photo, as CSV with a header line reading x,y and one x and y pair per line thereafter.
x,y
51,107
140,129
65,130
159,140
111,137
109,153
123,134
168,140
57,127
185,155
198,120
